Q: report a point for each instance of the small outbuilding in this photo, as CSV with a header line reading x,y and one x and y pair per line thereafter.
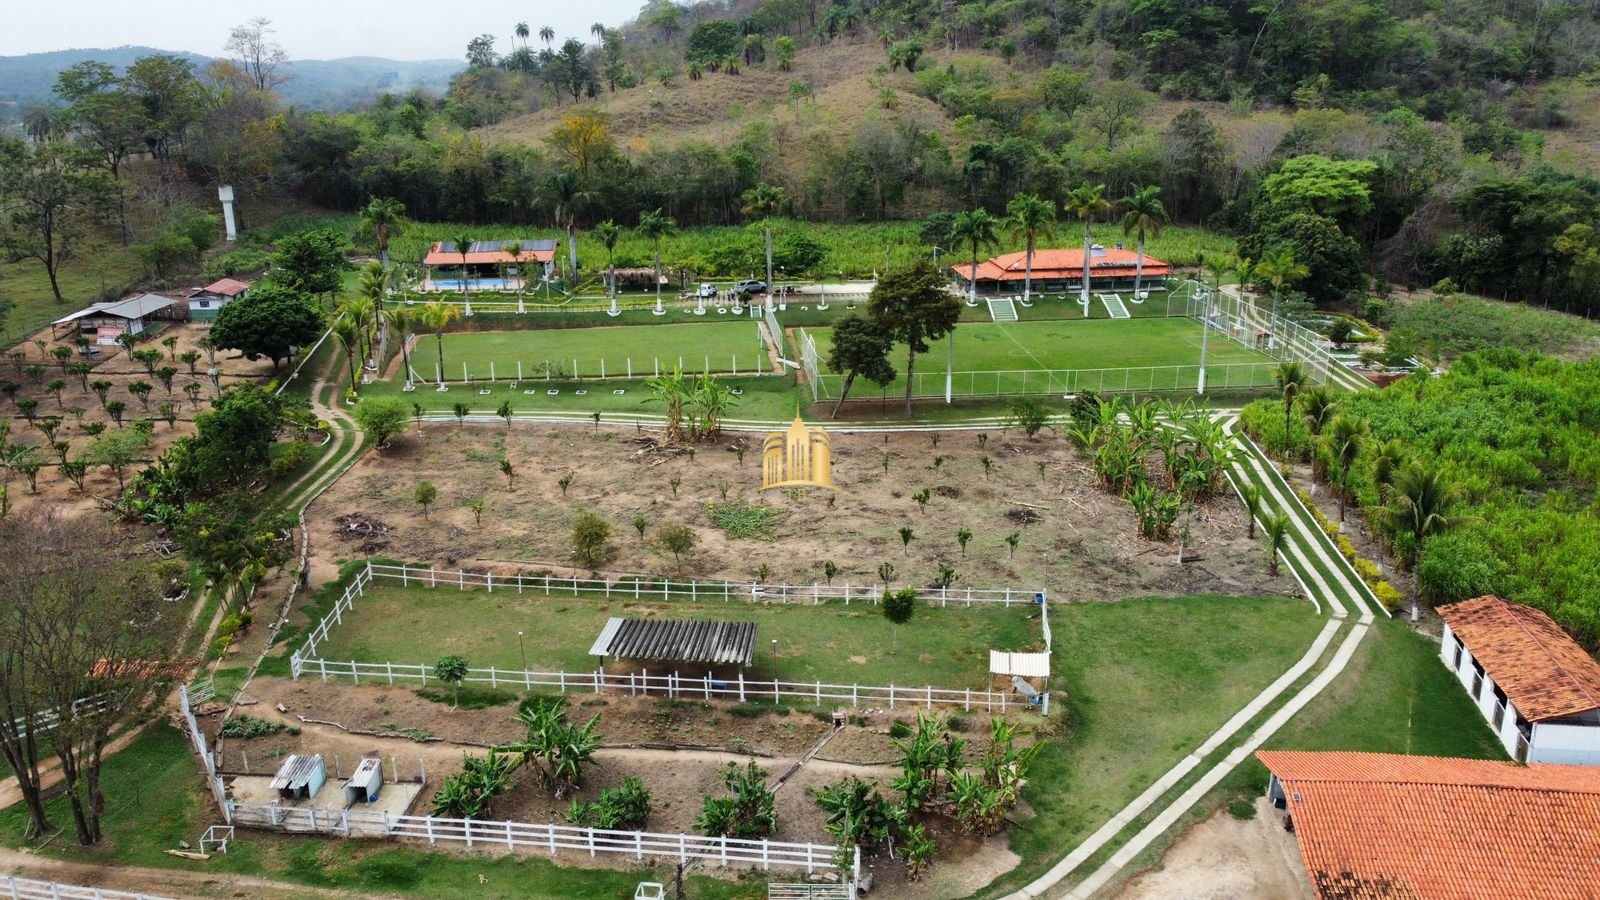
x,y
365,782
204,302
487,264
300,777
709,642
105,322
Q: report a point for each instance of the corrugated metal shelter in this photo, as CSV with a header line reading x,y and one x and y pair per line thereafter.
x,y
1028,665
300,777
677,640
364,783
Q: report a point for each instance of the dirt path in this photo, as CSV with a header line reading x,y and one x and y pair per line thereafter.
x,y
50,774
158,882
1224,857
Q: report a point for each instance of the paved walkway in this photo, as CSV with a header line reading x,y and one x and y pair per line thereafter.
x,y
1329,581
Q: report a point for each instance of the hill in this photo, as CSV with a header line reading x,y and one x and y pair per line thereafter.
x,y
314,83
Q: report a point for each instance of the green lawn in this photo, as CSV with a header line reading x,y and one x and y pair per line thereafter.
x,y
96,271
991,347
154,799
833,643
725,346
1143,683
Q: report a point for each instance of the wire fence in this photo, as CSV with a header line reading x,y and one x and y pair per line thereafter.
x,y
551,838
1248,325
601,369
305,661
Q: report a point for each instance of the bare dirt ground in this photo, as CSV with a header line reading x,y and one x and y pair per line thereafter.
x,y
79,407
1082,546
1224,858
677,778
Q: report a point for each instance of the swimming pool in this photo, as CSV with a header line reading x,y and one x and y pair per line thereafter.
x,y
476,284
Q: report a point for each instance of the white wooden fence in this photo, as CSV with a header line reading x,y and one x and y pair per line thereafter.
x,y
804,891
49,719
304,661
29,889
515,836
671,685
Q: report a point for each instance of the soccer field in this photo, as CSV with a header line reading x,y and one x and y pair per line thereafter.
x,y
1102,354
724,347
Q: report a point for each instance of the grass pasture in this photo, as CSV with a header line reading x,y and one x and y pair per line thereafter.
x,y
991,357
833,643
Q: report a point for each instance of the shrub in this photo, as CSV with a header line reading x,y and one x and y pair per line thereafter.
x,y
743,520
250,727
1389,596
589,536
1243,810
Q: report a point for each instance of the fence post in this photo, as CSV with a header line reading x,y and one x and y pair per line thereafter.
x,y
428,822
891,695
930,696
354,674
510,844
591,843
492,682
322,666
488,580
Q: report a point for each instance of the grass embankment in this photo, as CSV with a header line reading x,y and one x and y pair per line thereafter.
x,y
1142,683
833,643
154,801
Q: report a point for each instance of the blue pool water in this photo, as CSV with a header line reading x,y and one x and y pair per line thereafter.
x,y
476,284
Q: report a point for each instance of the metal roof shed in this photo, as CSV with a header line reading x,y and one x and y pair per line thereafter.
x,y
677,640
365,782
300,777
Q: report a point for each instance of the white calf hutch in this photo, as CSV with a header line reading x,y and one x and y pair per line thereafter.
x,y
1538,689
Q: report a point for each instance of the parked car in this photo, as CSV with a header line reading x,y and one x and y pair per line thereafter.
x,y
750,286
708,290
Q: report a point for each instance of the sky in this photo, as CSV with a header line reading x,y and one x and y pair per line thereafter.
x,y
307,29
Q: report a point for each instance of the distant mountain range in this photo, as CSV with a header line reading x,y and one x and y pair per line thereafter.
x,y
314,83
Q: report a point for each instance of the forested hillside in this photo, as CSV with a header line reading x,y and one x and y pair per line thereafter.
x,y
1345,145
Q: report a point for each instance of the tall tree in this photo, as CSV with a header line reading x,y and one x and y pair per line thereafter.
x,y
270,321
977,228
1348,437
50,193
436,317
1291,378
562,194
78,620
764,201
463,244
1142,211
860,347
914,305
608,233
654,227
259,55
1087,202
383,217
1030,215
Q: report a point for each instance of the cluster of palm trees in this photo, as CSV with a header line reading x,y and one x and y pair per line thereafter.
x,y
1031,217
1120,437
694,406
1415,496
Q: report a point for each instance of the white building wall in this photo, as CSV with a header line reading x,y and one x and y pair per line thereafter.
x,y
1577,745
1484,699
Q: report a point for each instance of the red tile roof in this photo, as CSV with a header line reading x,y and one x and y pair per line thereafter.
x,y
1542,670
444,253
1056,264
226,287
1374,825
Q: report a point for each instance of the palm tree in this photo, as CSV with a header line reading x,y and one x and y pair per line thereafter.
x,y
463,244
1279,270
1317,407
653,226
598,29
1142,211
42,123
514,250
347,332
1251,494
436,317
1275,535
399,320
546,34
977,227
609,233
1087,202
764,200
1290,377
1387,458
385,217
1030,215
522,32
372,288
1419,504
563,194
1246,268
1347,438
